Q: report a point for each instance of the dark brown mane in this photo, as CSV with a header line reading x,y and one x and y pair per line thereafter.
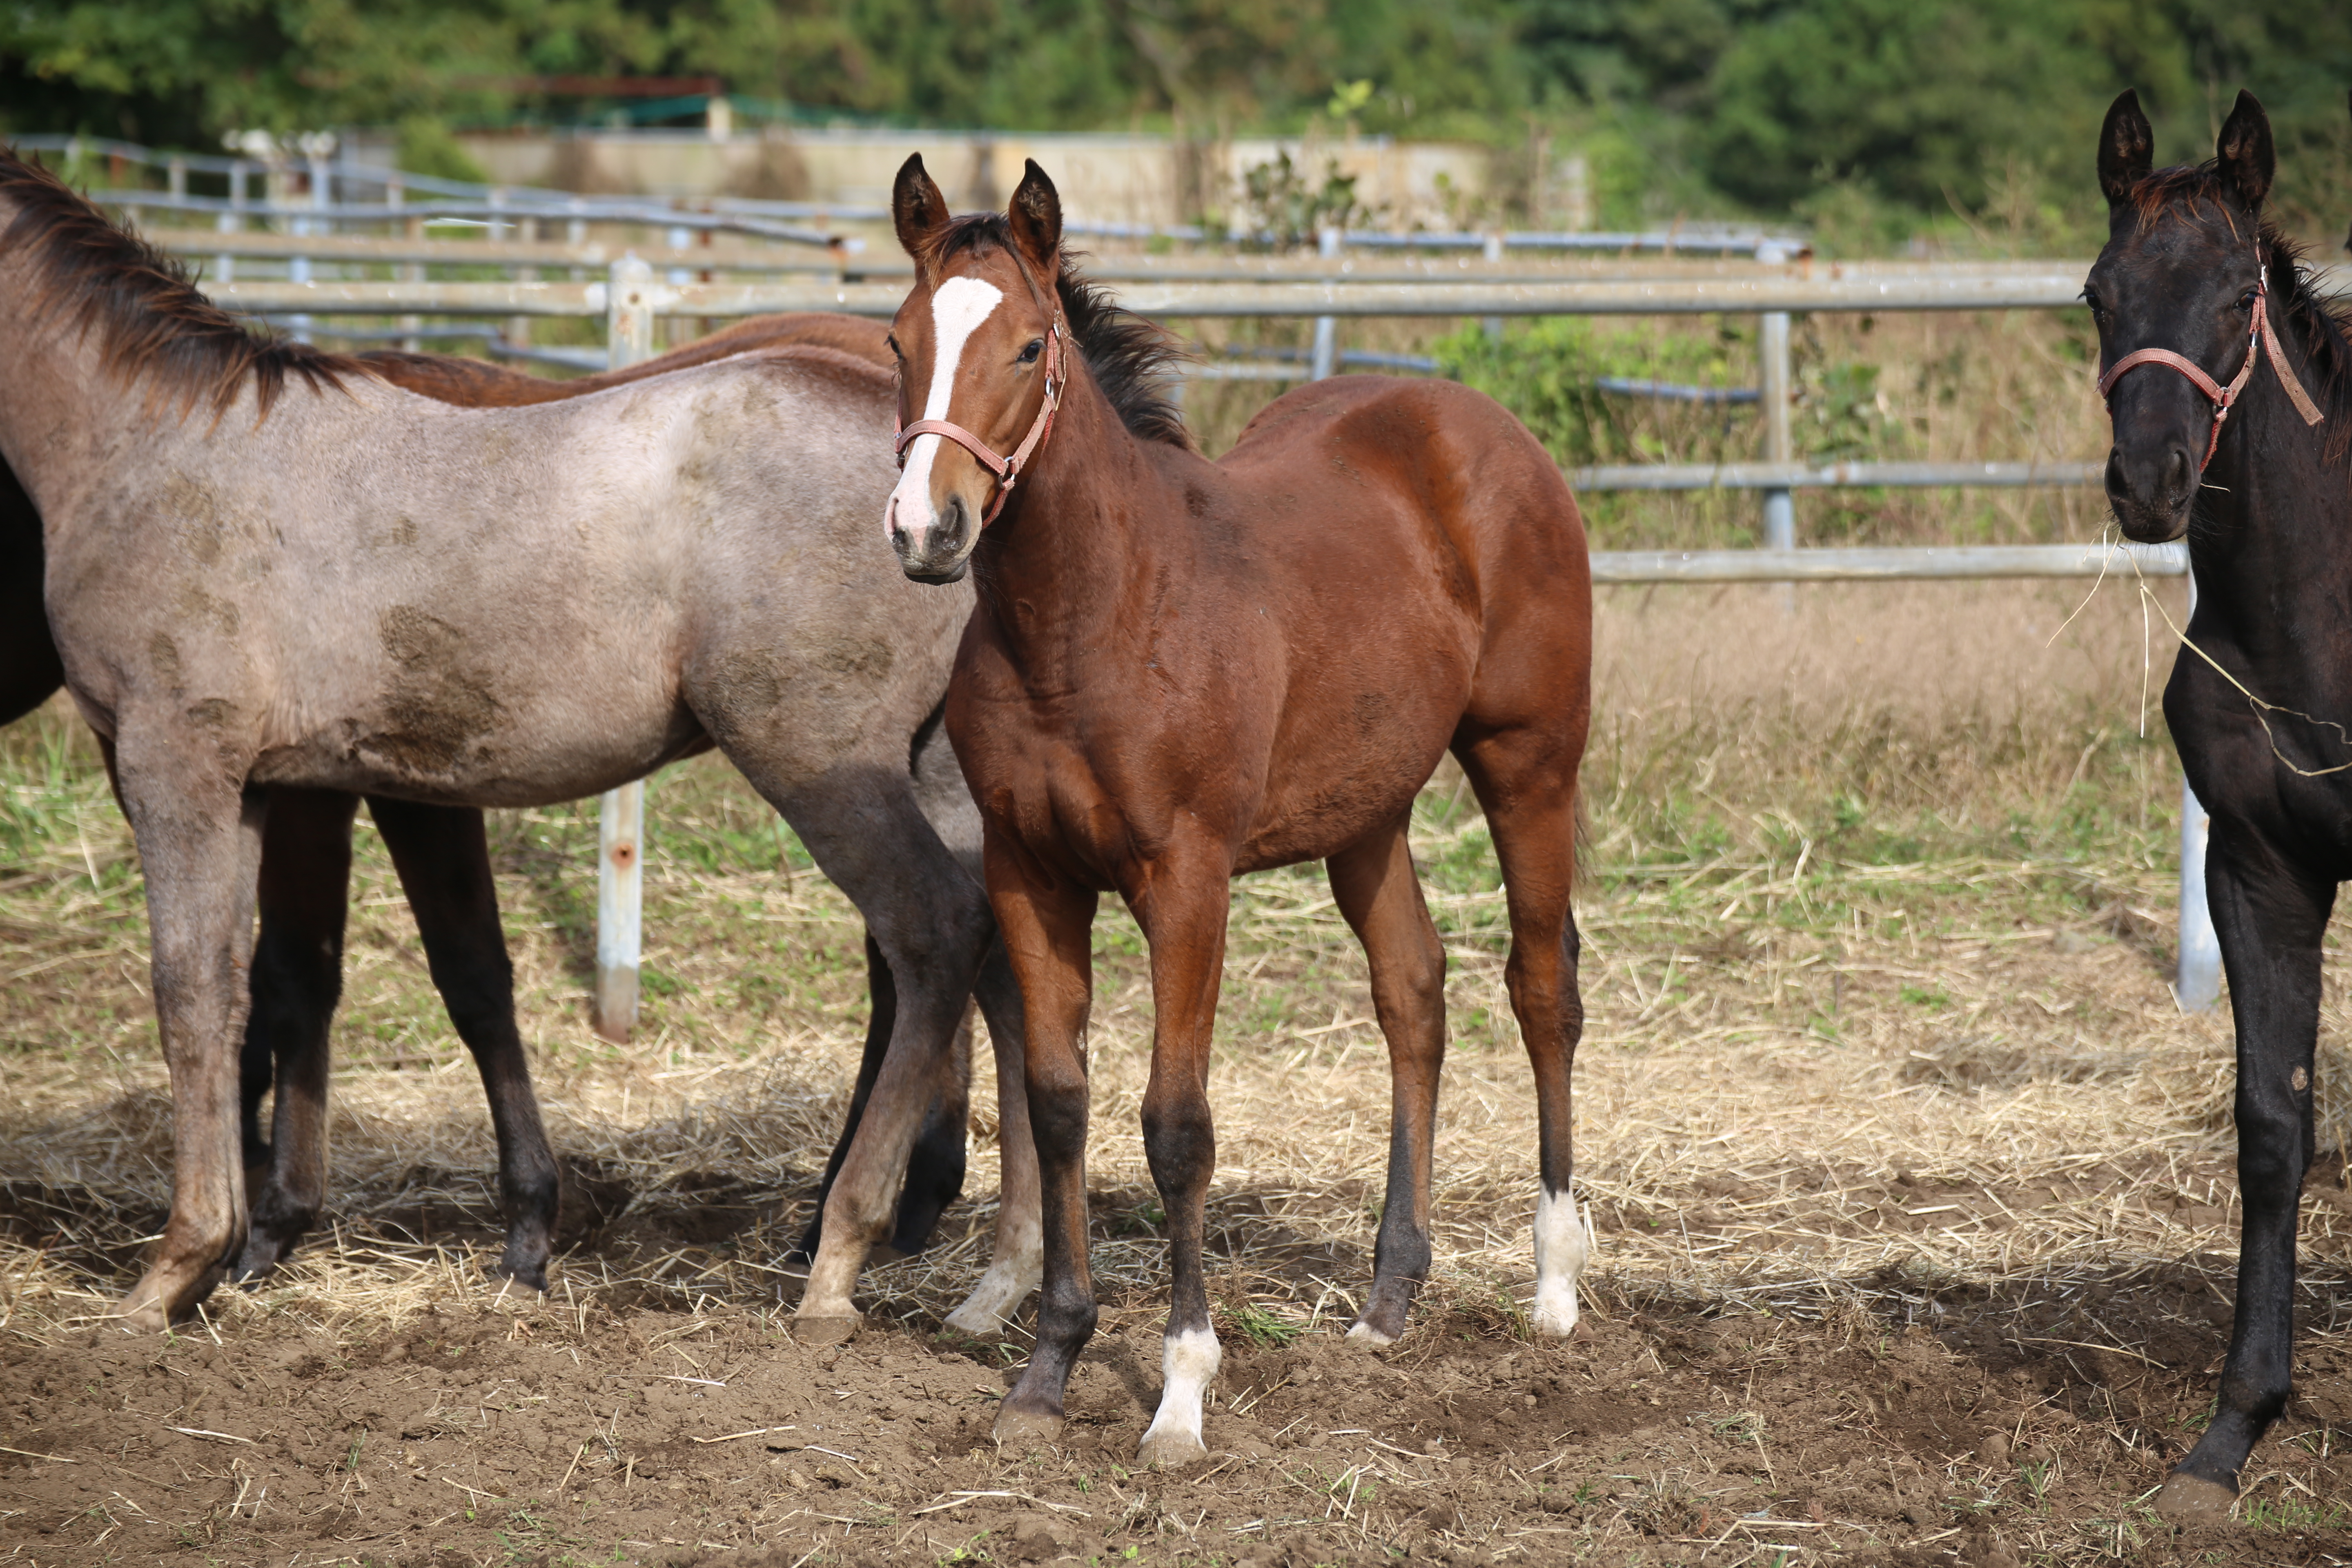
x,y
1131,359
2325,333
151,321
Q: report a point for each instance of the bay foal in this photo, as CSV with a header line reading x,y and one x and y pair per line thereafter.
x,y
1179,670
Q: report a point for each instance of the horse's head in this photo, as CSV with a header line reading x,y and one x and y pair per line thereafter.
x,y
981,351
2181,275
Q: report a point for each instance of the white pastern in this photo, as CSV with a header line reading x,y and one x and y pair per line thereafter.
x,y
1562,1242
1189,1363
1000,1292
957,307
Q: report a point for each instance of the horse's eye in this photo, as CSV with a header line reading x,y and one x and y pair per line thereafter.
x,y
2246,301
893,340
1029,355
2098,309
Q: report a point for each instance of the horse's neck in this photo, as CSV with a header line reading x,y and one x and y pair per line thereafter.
x,y
63,406
1091,521
2273,547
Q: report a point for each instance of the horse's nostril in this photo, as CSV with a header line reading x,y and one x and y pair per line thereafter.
x,y
2176,475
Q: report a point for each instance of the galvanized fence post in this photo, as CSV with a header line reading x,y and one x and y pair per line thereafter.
x,y
621,825
1327,328
1772,395
2197,984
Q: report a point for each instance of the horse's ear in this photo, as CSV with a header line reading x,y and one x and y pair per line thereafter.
x,y
2127,148
916,206
1037,218
2245,152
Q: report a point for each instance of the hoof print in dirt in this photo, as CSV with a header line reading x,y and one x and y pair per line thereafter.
x,y
1038,1540
2190,1502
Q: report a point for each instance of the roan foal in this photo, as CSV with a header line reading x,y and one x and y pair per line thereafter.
x,y
348,587
1180,670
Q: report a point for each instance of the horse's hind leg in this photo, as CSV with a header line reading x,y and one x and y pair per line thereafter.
x,y
1374,883
443,857
298,976
1524,780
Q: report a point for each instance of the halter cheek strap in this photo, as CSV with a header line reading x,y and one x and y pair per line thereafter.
x,y
2261,336
1006,469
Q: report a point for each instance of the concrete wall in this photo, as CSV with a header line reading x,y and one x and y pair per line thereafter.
x,y
1103,178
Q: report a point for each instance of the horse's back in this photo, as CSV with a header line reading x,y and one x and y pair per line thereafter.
x,y
1458,472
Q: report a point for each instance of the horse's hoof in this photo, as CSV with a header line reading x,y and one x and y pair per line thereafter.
x,y
1028,1429
826,1331
529,1276
141,1312
1369,1338
1170,1450
2188,1500
983,1326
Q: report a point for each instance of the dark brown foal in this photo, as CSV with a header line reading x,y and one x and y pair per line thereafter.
x,y
1179,670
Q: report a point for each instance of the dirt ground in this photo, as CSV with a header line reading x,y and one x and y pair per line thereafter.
x,y
1913,1193
1990,1429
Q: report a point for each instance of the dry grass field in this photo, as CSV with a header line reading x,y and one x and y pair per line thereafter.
x,y
1913,1190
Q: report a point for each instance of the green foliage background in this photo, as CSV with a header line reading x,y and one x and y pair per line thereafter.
x,y
1839,111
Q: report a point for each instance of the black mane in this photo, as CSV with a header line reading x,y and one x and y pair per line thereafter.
x,y
2326,332
1131,359
150,318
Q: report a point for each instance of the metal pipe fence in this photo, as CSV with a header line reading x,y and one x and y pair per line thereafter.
x,y
337,175
631,290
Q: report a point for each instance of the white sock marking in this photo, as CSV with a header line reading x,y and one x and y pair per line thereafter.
x,y
1189,1363
1562,1241
959,306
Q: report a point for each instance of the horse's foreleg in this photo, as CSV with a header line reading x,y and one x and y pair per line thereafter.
x,y
1183,917
1528,792
1047,935
931,921
935,1167
199,841
1017,1263
443,857
1374,884
298,976
2270,918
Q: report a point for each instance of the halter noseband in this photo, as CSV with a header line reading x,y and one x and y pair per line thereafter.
x,y
1006,469
2259,336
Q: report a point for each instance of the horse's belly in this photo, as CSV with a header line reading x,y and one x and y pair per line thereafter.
x,y
457,753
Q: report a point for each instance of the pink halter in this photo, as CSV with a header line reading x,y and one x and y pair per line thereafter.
x,y
1006,469
2261,335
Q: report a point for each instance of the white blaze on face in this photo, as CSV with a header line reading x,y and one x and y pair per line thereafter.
x,y
1560,1244
959,306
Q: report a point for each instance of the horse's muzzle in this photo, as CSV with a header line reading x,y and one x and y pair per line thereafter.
x,y
942,552
2152,489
